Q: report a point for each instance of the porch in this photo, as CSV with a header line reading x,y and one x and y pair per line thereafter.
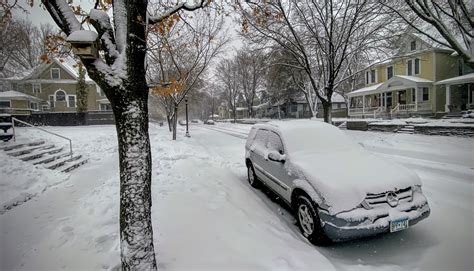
x,y
459,93
401,96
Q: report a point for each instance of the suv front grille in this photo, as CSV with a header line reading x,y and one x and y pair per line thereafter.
x,y
403,195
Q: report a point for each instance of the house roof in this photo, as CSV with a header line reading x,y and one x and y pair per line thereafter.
x,y
67,63
397,82
458,80
16,95
413,79
364,90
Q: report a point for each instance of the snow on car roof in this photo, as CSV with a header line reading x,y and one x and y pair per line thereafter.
x,y
310,136
287,125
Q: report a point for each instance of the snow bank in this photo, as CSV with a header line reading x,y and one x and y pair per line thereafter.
x,y
20,181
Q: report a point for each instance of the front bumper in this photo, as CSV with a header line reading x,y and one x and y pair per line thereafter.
x,y
361,222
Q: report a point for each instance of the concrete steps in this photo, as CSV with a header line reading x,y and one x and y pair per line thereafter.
x,y
48,155
17,146
407,129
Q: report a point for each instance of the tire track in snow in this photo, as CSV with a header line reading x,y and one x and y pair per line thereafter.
x,y
240,135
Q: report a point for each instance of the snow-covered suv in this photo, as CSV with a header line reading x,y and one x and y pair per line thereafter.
x,y
338,190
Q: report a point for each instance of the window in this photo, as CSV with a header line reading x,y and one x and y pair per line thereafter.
x,y
274,143
51,101
389,99
426,94
294,108
100,92
371,77
261,138
60,96
413,46
417,66
36,88
71,100
389,72
34,106
105,107
55,73
413,66
5,104
44,107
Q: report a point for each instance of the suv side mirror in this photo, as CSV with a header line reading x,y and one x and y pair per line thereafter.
x,y
276,157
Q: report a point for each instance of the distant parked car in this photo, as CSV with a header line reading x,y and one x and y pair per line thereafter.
x,y
195,121
182,122
210,122
337,190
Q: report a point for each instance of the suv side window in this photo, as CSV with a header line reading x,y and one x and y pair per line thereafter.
x,y
261,138
274,143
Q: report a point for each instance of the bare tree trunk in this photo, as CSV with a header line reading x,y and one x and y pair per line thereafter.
x,y
168,119
175,121
327,111
235,115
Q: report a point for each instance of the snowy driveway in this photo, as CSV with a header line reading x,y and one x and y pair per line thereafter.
x,y
206,217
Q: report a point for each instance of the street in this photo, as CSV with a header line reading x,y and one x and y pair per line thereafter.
x,y
207,217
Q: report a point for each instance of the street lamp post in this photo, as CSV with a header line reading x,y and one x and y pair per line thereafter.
x,y
187,121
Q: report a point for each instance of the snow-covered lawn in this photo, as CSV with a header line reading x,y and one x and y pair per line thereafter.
x,y
206,217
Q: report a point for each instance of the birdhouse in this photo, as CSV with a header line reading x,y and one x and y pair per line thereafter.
x,y
84,44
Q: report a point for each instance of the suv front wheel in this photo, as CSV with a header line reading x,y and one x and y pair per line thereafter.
x,y
252,177
309,223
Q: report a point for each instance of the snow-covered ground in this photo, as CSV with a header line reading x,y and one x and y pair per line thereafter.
x,y
206,217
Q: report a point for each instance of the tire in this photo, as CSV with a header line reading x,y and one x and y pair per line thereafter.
x,y
252,177
309,222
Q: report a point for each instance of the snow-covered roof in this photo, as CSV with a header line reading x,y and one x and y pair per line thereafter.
x,y
82,36
11,94
337,98
413,79
72,67
364,90
397,82
463,79
261,105
69,64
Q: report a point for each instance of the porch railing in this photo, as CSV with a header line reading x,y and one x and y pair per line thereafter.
x,y
378,111
395,109
406,107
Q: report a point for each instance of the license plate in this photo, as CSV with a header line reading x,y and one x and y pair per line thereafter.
x,y
398,225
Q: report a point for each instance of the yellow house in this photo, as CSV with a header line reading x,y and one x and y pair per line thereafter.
x,y
421,79
18,103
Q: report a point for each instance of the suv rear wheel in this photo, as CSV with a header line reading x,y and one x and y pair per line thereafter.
x,y
309,222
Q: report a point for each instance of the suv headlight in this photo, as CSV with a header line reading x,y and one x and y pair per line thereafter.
x,y
415,189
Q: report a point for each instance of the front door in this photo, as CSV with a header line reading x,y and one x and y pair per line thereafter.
x,y
276,173
402,97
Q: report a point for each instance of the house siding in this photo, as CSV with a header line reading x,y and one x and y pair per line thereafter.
x,y
63,74
19,104
49,86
